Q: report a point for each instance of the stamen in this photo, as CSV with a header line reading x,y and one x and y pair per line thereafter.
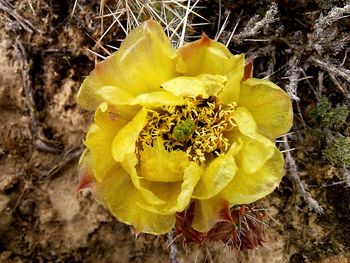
x,y
198,128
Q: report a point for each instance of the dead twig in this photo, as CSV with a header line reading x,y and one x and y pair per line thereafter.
x,y
332,69
66,157
255,25
29,98
8,8
323,36
301,186
324,21
340,87
292,74
172,246
346,175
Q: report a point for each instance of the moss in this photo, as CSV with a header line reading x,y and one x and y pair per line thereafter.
x,y
319,134
339,151
325,116
328,121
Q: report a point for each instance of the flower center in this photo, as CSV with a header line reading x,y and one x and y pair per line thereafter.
x,y
198,128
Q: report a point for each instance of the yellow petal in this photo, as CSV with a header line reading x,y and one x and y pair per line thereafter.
x,y
99,140
231,91
256,149
254,153
270,106
234,138
121,197
206,213
177,195
247,188
158,98
245,122
216,176
117,97
213,84
111,94
125,141
129,164
159,165
203,85
144,61
85,160
205,56
114,95
185,86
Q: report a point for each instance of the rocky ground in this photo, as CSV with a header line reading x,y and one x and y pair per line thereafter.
x,y
44,55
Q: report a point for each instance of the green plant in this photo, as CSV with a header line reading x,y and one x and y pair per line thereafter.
x,y
325,116
339,151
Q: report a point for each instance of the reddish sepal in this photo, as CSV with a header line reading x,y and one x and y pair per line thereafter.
x,y
239,227
248,69
86,180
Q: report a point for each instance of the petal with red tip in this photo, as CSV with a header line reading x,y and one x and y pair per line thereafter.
x,y
206,56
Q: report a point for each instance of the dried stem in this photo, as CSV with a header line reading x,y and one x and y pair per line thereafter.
x,y
324,21
292,74
301,186
22,59
172,246
8,8
67,156
332,69
346,175
255,25
322,36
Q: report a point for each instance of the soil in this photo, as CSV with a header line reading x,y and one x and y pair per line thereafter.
x,y
42,216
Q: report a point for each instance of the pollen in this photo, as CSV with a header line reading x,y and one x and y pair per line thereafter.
x,y
198,128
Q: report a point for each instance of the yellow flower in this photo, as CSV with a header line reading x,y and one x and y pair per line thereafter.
x,y
178,126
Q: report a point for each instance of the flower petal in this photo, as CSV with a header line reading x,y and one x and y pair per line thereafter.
x,y
121,197
185,86
158,98
216,176
86,178
159,165
117,97
270,106
144,61
247,188
207,213
213,84
125,141
203,85
99,140
256,148
245,122
129,164
254,153
231,91
205,56
177,194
